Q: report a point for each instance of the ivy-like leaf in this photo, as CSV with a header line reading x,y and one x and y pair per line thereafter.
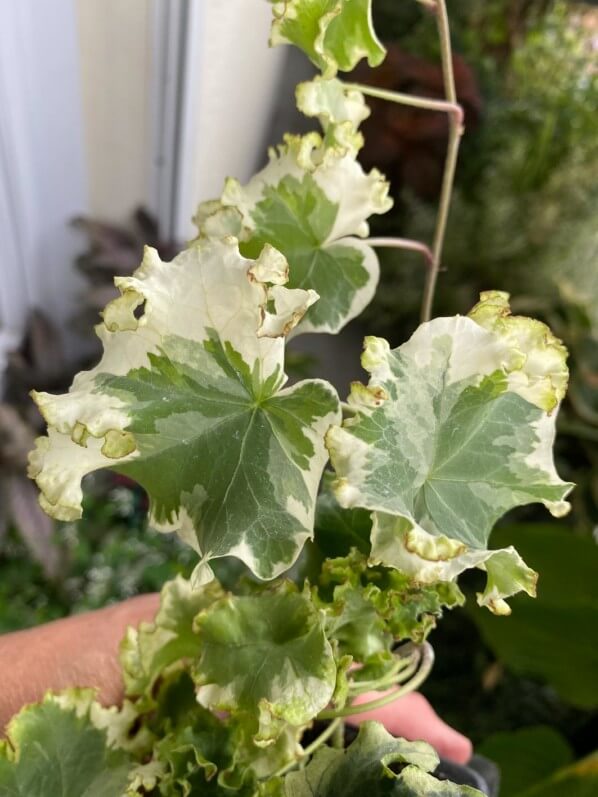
x,y
310,202
146,652
428,558
452,432
60,752
337,529
537,368
365,768
340,111
334,34
369,609
188,400
268,656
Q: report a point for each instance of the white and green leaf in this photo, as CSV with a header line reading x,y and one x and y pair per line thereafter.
x,y
148,651
452,432
537,369
311,202
334,34
366,768
429,559
339,109
266,656
59,751
188,399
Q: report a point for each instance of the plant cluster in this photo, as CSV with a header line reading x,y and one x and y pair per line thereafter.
x,y
454,428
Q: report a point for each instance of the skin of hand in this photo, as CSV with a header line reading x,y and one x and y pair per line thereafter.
x,y
82,650
413,718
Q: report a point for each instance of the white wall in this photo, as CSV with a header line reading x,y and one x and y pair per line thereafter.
x,y
42,169
238,78
115,65
104,104
222,98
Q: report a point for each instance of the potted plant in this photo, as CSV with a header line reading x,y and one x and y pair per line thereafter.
x,y
454,428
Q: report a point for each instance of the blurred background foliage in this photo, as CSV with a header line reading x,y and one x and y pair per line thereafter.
x,y
524,219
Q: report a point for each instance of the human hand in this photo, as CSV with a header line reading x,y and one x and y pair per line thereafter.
x,y
412,717
82,650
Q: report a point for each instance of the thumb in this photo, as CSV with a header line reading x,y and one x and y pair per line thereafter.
x,y
412,717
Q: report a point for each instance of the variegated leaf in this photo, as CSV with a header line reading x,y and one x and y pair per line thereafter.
x,y
340,111
334,34
366,767
311,202
452,432
188,399
428,559
267,657
57,750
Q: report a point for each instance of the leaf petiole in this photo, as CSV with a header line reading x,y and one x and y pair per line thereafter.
x,y
403,243
400,673
426,661
310,749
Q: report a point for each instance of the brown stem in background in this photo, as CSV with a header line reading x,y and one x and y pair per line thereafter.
x,y
454,110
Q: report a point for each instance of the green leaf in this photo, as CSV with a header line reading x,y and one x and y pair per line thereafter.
x,y
121,723
366,768
446,439
337,530
56,753
526,756
146,652
368,609
309,202
188,400
266,655
554,638
334,34
355,624
195,754
578,780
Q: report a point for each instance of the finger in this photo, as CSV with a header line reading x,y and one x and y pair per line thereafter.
x,y
412,717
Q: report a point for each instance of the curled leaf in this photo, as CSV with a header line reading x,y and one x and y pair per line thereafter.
x,y
428,559
265,656
146,652
188,400
375,764
340,111
311,202
537,369
446,438
334,34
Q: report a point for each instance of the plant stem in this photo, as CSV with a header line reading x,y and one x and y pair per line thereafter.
x,y
425,103
396,676
451,107
311,748
403,243
455,133
338,737
348,409
425,665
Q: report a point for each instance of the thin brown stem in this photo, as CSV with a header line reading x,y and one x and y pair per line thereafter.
x,y
455,133
451,107
403,243
426,103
